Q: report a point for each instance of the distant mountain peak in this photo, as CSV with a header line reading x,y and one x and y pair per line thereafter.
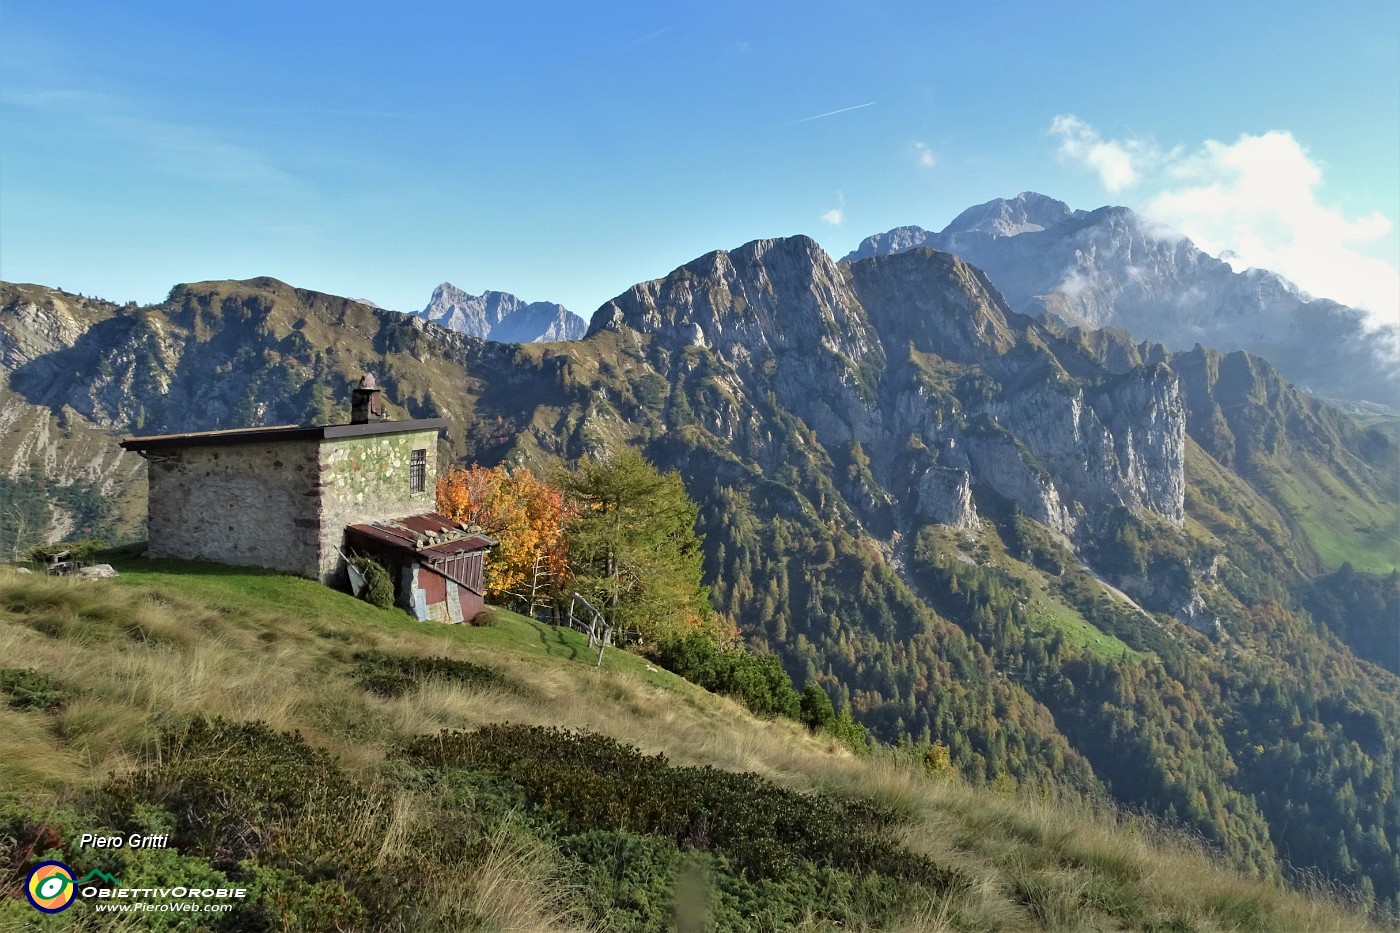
x,y
727,300
1028,212
1000,218
1113,267
501,316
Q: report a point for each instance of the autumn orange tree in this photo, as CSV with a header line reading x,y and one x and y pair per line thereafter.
x,y
525,514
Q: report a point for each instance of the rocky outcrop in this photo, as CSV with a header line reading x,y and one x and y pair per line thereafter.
x,y
778,317
768,299
30,331
1004,465
1197,615
944,497
501,316
1031,432
1122,443
38,331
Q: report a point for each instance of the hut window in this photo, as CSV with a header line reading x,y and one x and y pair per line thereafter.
x,y
418,471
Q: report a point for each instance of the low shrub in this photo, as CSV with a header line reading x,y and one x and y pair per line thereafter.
x,y
584,782
379,584
268,809
77,550
756,680
225,782
30,689
28,838
393,675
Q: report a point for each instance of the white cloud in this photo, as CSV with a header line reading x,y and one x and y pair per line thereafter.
x,y
924,155
1255,201
837,215
1119,163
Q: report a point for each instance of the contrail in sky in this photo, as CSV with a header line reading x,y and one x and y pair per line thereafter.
x,y
643,40
832,113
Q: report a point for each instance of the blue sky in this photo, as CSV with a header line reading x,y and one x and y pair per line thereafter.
x,y
564,151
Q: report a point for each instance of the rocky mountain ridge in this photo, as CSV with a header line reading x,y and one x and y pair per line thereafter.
x,y
1114,268
862,354
501,316
910,492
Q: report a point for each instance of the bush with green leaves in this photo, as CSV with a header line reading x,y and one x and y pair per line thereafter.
x,y
584,782
852,734
76,550
30,689
393,675
265,808
756,680
379,585
817,711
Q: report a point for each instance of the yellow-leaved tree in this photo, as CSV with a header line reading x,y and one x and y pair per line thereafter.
x,y
526,515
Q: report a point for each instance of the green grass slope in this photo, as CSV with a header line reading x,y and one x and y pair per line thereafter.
x,y
376,818
1331,478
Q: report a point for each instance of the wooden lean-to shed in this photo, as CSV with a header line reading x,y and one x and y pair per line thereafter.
x,y
438,565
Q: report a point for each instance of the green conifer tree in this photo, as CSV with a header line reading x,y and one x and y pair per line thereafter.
x,y
633,548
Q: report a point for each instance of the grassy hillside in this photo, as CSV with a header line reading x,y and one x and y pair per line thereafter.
x,y
99,735
1331,478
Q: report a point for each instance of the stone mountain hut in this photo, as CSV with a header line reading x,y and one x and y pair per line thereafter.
x,y
294,498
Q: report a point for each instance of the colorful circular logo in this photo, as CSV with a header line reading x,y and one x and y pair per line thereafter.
x,y
50,887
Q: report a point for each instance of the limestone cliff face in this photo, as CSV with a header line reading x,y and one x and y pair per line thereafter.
x,y
30,331
1121,443
768,299
917,359
774,316
944,497
1004,466
55,446
1029,430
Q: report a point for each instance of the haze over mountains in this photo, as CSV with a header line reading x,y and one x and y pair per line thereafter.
x,y
1114,268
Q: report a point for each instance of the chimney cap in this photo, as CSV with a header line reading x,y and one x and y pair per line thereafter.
x,y
367,381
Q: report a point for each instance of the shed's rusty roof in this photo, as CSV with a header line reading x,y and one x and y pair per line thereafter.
x,y
431,536
460,546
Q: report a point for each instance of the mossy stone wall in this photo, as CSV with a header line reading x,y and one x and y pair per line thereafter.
x,y
367,478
